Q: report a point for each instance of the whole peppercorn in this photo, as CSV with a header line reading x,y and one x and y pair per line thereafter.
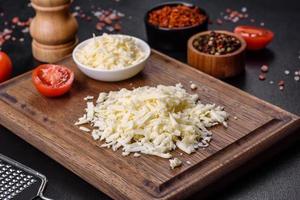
x,y
216,43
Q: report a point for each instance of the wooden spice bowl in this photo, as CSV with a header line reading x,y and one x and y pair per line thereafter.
x,y
220,66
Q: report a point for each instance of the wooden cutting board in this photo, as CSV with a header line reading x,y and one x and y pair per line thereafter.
x,y
47,124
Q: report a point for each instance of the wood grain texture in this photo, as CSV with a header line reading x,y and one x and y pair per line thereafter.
x,y
48,125
222,66
53,30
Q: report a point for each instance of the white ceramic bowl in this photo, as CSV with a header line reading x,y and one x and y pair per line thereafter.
x,y
117,74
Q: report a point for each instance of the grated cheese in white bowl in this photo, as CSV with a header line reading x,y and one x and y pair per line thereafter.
x,y
152,120
110,52
113,57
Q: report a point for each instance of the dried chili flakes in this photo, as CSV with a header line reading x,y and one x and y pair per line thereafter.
x,y
176,16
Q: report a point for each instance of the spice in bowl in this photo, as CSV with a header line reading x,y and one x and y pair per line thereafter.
x,y
178,16
218,53
216,43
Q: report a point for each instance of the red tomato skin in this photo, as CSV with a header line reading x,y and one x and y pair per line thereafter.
x,y
49,91
255,43
5,67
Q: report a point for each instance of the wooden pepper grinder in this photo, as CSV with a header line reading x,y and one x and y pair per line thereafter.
x,y
53,30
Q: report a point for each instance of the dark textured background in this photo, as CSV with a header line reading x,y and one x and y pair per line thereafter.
x,y
275,178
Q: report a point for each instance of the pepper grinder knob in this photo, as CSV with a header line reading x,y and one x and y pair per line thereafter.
x,y
53,30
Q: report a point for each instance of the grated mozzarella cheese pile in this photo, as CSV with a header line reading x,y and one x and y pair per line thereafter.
x,y
152,120
110,52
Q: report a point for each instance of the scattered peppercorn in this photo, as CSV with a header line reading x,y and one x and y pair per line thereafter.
x,y
216,43
176,16
219,21
281,83
100,26
262,77
108,19
88,18
15,20
281,88
286,72
235,15
117,27
264,68
83,16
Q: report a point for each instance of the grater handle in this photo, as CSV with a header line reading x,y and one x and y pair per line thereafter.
x,y
44,198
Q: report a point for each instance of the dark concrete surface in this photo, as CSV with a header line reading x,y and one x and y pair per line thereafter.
x,y
276,178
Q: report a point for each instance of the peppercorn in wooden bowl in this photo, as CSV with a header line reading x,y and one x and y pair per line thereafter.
x,y
170,25
218,53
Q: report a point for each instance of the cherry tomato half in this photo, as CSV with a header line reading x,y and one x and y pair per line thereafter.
x,y
256,37
52,80
5,67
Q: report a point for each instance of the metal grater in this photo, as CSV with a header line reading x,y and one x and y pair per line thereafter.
x,y
19,182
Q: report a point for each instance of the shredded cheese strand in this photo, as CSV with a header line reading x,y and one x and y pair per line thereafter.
x,y
152,120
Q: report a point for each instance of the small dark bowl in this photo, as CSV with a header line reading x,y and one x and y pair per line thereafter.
x,y
172,38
